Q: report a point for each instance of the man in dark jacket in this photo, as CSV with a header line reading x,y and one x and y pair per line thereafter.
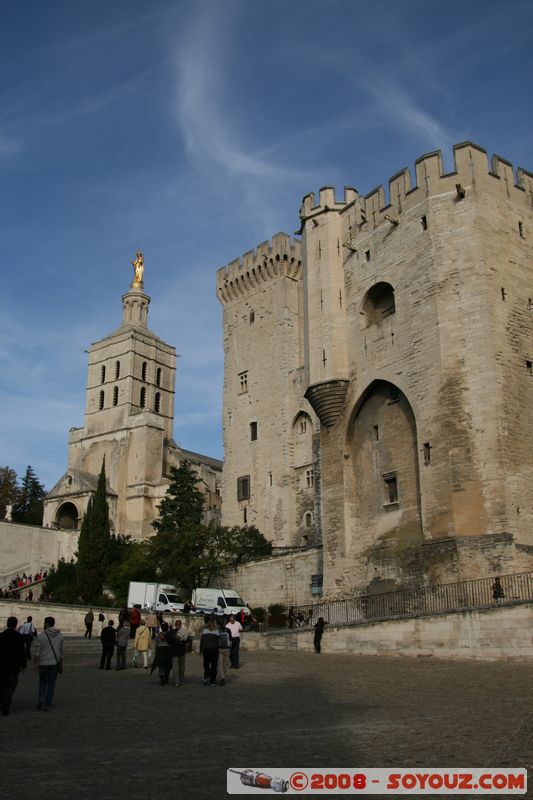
x,y
108,637
177,640
12,661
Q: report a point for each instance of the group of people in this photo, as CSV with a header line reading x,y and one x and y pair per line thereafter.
x,y
300,619
19,645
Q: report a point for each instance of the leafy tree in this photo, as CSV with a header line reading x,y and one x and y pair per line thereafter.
x,y
8,489
134,563
94,544
28,505
62,582
191,553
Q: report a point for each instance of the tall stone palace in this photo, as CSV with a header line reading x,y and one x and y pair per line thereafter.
x,y
378,372
128,422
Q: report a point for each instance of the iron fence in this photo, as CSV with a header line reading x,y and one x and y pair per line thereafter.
x,y
437,599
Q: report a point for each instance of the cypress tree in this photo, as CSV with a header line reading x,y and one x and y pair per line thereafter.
x,y
94,544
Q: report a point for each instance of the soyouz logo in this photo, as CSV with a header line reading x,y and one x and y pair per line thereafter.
x,y
396,781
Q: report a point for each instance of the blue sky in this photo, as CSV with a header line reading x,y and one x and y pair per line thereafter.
x,y
191,130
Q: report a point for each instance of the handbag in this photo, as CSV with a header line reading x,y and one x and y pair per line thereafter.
x,y
59,661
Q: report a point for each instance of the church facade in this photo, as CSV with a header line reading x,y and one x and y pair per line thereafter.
x,y
378,379
128,423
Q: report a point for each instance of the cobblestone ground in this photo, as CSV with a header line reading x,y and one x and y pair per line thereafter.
x,y
123,736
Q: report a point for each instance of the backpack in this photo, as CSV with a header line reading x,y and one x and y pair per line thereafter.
x,y
224,640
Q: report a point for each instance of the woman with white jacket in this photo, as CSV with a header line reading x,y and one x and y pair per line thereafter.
x,y
143,640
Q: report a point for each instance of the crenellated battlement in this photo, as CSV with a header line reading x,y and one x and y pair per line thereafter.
x,y
269,260
327,201
471,170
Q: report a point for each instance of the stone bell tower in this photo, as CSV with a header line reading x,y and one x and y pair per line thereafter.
x,y
128,421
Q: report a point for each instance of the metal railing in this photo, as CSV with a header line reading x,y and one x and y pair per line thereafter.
x,y
437,599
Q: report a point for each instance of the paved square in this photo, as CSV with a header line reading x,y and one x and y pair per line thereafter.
x,y
124,736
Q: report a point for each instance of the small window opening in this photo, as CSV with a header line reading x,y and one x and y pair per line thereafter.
x,y
243,488
530,303
244,516
142,398
253,431
303,425
309,478
379,302
101,401
102,374
391,488
394,395
115,396
158,377
270,478
376,433
424,222
367,255
427,453
243,382
521,230
157,403
143,371
529,367
252,317
504,293
308,519
117,370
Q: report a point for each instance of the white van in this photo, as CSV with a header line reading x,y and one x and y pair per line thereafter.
x,y
225,601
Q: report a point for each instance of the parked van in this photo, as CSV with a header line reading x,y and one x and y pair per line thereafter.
x,y
154,597
225,601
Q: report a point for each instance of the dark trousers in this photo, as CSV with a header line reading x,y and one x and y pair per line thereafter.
x,y
8,684
121,657
107,655
210,665
47,684
234,652
133,631
317,640
88,630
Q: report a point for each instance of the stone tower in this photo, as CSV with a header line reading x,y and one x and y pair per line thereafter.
x,y
128,421
270,464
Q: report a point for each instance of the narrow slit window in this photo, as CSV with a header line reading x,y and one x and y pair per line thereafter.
x,y
157,403
101,401
424,222
504,293
117,370
115,396
245,516
376,433
391,488
367,255
158,377
529,367
143,371
270,478
142,398
102,374
252,317
253,431
427,453
521,230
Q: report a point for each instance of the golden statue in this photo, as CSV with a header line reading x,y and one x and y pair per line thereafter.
x,y
138,269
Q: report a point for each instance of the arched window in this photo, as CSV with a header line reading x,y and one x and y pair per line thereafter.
x,y
157,404
117,370
115,396
142,399
102,374
158,377
143,371
308,519
379,302
101,401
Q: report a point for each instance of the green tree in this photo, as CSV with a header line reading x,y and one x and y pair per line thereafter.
x,y
62,582
8,489
28,505
189,552
94,544
134,563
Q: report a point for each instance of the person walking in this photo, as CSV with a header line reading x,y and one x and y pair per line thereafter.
x,y
209,646
319,632
235,628
89,619
108,637
135,621
177,640
143,640
48,660
224,644
151,622
123,637
28,631
12,662
163,655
